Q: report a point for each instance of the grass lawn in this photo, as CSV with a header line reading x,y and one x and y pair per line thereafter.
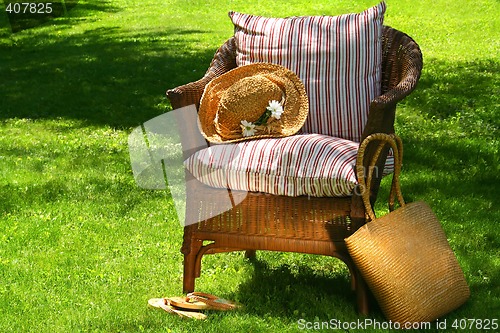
x,y
82,248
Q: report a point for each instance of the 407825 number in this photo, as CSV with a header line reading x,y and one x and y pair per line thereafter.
x,y
29,8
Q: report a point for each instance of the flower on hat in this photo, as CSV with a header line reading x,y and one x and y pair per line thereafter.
x,y
248,128
275,108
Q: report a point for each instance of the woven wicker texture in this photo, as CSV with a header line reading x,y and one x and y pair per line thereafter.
x,y
408,264
405,258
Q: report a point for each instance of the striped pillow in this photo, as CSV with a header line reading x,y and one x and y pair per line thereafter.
x,y
337,57
308,164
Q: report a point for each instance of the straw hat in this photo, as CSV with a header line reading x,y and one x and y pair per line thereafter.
x,y
260,100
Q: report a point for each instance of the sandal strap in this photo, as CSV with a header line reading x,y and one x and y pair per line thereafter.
x,y
163,303
214,302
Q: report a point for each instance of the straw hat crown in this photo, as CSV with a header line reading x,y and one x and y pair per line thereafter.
x,y
253,101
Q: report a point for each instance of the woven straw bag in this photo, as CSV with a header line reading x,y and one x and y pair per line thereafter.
x,y
404,256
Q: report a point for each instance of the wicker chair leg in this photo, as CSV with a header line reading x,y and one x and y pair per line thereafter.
x,y
362,294
188,283
190,266
250,254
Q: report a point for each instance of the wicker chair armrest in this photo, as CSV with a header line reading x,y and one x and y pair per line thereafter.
x,y
223,61
402,66
401,69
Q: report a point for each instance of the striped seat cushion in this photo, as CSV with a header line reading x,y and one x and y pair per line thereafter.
x,y
307,164
337,57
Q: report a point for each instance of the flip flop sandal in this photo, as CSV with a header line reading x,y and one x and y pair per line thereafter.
x,y
212,302
187,303
164,303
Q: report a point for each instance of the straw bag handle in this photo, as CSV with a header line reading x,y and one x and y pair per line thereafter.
x,y
397,147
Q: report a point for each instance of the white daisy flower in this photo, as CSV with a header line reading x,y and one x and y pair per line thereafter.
x,y
276,109
248,128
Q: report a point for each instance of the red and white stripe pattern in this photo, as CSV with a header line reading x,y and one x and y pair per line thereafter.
x,y
338,58
308,164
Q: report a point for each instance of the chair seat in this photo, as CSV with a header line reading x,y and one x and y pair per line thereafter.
x,y
308,164
270,222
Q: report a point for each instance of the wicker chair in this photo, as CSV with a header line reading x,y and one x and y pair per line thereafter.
x,y
313,225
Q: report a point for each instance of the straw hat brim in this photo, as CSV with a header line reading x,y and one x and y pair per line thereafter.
x,y
291,120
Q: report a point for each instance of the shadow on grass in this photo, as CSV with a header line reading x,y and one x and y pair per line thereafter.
x,y
452,161
467,92
456,168
23,15
461,168
299,291
103,76
108,76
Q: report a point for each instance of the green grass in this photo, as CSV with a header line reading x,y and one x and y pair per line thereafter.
x,y
82,248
